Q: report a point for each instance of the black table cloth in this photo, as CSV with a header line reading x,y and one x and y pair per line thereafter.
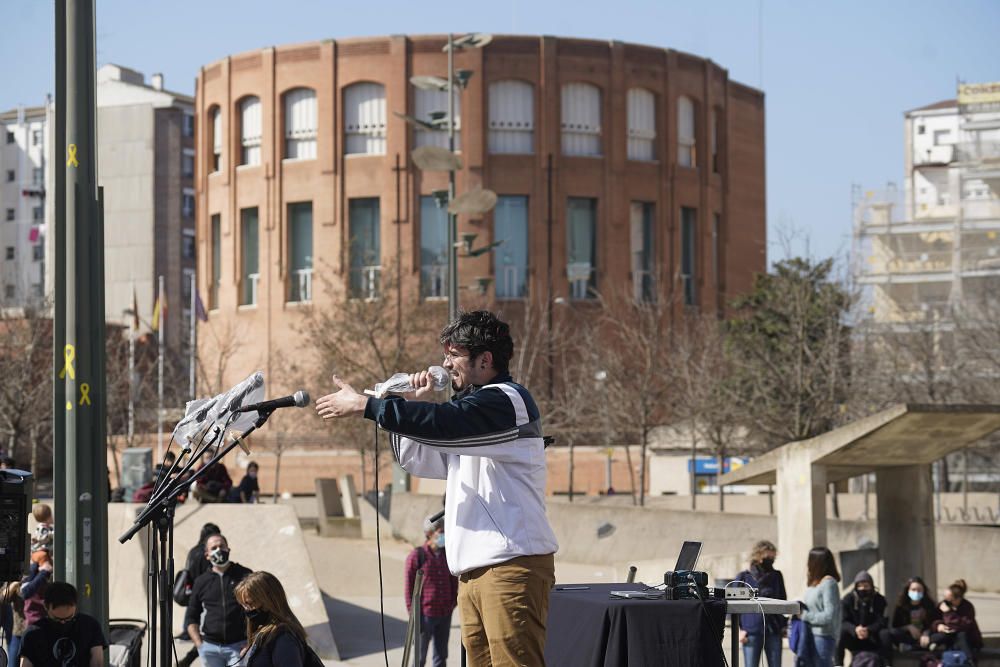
x,y
589,628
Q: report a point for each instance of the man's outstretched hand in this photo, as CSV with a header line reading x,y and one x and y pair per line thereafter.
x,y
342,403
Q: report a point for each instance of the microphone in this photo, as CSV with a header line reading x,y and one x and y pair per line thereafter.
x,y
234,405
200,417
299,399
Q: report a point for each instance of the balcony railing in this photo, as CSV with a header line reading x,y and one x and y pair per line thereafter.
x,y
364,282
301,285
581,280
511,282
909,263
643,286
975,151
935,155
434,281
250,284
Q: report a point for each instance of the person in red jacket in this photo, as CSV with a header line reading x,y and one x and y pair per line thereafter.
x,y
958,625
438,596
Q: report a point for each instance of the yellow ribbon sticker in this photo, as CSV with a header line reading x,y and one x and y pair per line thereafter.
x,y
84,393
86,590
71,161
69,354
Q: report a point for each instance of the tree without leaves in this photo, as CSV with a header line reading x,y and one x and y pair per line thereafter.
x,y
26,391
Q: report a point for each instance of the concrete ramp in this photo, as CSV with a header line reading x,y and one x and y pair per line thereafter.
x,y
262,537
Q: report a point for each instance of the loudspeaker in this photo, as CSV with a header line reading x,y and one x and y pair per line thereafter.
x,y
15,502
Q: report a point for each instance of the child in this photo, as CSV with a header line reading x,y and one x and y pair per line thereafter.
x,y
41,538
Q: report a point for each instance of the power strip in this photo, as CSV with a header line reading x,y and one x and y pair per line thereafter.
x,y
739,593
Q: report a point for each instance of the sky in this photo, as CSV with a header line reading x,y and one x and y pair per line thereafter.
x,y
837,75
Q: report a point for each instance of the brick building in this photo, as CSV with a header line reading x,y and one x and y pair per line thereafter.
x,y
657,170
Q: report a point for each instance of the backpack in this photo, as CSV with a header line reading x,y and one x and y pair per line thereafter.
x,y
955,659
866,659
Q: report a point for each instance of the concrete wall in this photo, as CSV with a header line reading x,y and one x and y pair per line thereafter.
x,y
651,538
248,528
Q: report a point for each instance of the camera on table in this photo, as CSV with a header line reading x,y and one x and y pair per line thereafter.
x,y
686,585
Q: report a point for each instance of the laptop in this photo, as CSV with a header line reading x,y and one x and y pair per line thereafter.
x,y
687,559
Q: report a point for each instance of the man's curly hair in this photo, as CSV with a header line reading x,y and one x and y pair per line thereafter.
x,y
481,331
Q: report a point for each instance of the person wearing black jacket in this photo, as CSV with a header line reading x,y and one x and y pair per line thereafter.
x,y
219,634
863,625
916,617
195,565
763,635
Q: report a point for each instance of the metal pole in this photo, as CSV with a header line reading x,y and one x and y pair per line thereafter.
x,y
80,403
131,372
194,337
452,219
548,280
160,322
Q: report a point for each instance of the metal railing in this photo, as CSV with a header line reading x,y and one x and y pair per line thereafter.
x,y
364,282
434,281
909,263
301,285
581,280
512,282
980,150
643,286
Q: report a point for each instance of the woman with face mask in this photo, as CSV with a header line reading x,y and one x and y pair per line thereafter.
x,y
249,490
762,635
915,618
275,638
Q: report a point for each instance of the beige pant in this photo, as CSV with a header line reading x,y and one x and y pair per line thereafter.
x,y
504,609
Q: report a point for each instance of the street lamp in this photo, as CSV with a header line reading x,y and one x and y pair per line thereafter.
x,y
480,201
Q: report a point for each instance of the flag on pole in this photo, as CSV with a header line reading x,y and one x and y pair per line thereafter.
x,y
159,311
135,310
199,308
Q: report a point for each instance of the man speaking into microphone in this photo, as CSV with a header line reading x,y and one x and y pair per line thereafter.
x,y
487,442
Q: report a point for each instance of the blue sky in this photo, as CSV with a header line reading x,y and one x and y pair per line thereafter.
x,y
838,75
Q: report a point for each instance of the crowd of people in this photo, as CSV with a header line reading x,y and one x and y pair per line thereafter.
x,y
859,622
214,485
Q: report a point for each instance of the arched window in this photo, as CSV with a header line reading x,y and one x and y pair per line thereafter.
x,y
581,119
250,130
431,106
364,119
512,117
686,154
641,124
300,124
215,116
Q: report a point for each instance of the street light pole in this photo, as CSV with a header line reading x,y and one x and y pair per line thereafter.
x,y
452,218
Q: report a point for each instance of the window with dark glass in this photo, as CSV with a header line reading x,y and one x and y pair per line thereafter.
x,y
249,256
364,247
187,244
300,251
689,247
213,290
581,247
510,225
433,248
643,250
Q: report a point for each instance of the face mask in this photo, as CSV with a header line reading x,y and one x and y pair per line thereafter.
x,y
865,592
767,564
439,540
257,616
916,596
252,475
219,556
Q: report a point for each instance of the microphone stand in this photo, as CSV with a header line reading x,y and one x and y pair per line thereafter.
x,y
159,514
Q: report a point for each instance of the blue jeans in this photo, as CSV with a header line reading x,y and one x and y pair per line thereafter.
x,y
825,646
220,655
14,650
757,643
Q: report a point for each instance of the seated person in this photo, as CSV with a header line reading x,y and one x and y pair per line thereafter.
x,y
248,489
213,485
65,637
958,628
915,618
863,625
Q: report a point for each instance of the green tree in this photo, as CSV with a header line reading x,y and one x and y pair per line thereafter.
x,y
790,349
